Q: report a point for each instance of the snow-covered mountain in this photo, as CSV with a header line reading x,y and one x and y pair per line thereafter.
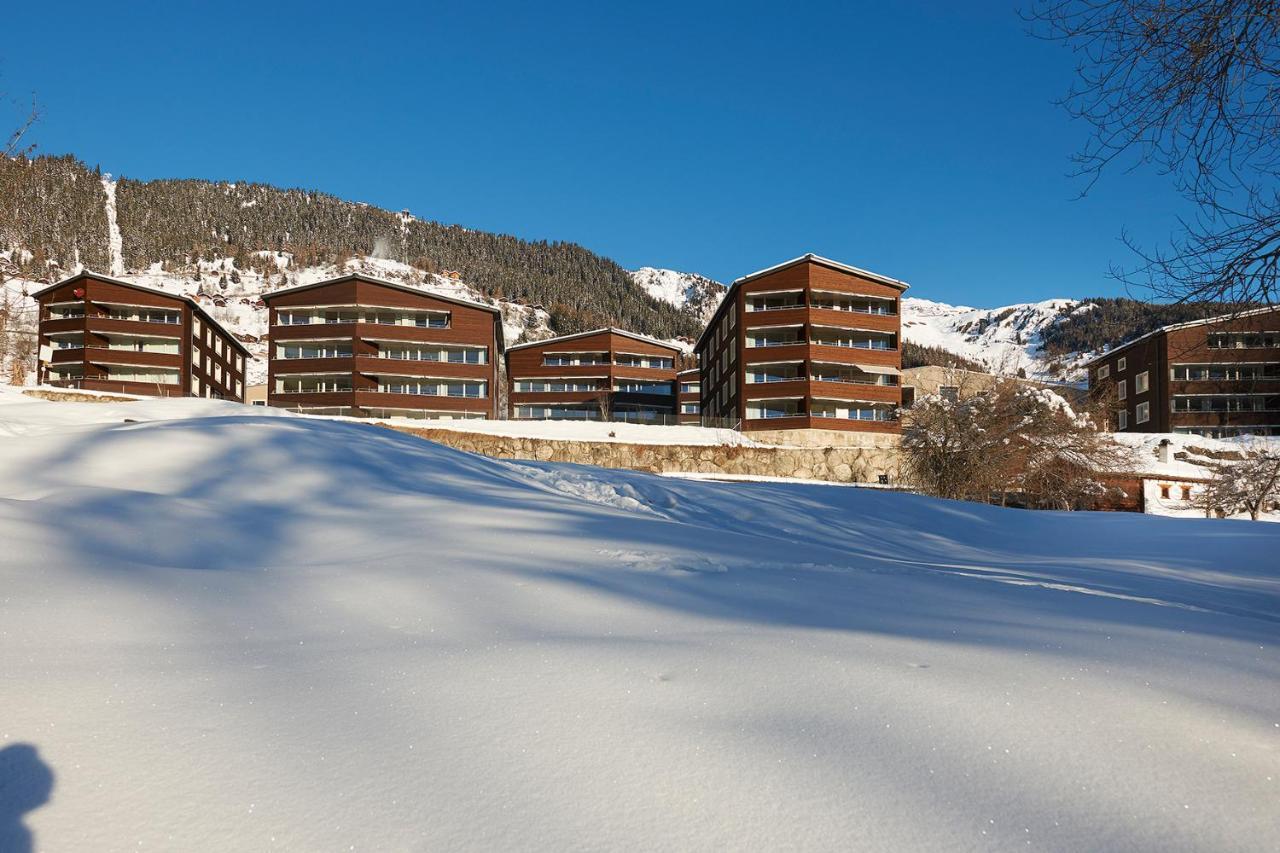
x,y
1004,339
696,294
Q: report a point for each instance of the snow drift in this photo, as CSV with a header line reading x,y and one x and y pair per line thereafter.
x,y
221,629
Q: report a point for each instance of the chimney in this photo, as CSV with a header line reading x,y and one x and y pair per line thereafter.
x,y
1164,452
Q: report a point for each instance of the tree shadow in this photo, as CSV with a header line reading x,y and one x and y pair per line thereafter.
x,y
25,785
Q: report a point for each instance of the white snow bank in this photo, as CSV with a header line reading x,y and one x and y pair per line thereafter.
x,y
264,632
586,431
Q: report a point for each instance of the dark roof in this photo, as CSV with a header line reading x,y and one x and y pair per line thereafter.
x,y
195,306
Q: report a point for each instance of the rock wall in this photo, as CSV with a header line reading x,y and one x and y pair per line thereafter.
x,y
833,464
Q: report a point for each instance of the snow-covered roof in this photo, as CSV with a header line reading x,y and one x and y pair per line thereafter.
x,y
807,258
195,306
612,329
1173,327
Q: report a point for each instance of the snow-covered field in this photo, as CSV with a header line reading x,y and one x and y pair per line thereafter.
x,y
225,628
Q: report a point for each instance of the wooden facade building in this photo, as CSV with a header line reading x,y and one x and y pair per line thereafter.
x,y
363,347
808,344
102,334
689,393
1218,377
604,374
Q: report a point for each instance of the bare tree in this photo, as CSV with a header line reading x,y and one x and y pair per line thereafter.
x,y
1192,86
13,144
1249,484
1013,441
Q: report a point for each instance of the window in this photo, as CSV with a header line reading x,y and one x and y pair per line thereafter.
x,y
688,408
689,387
195,385
1143,413
1140,383
319,349
1164,491
1103,372
1122,421
1186,493
1122,390
950,393
1121,365
565,386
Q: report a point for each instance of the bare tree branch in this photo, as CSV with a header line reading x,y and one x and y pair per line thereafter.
x,y
1192,87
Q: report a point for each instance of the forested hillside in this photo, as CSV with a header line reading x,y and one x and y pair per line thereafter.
x,y
53,209
1112,321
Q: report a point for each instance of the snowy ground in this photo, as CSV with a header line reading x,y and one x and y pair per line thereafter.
x,y
587,431
223,628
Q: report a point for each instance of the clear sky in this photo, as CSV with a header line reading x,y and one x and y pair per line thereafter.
x,y
916,139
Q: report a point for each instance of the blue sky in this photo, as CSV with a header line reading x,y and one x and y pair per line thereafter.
x,y
917,139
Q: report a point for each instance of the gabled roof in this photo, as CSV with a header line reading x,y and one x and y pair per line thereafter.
x,y
633,335
811,258
195,306
1173,327
807,258
417,291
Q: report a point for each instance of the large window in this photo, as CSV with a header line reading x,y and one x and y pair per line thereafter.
x,y
690,387
768,409
853,304
433,387
1227,403
758,374
779,337
558,412
1226,372
1141,382
312,384
775,301
1103,372
540,386
149,375
1142,413
1244,340
143,315
630,359
850,374
854,338
314,349
639,386
854,410
571,359
689,408
169,346
377,316
437,353
1122,390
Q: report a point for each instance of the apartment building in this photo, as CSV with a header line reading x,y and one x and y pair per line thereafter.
x,y
689,395
809,344
604,374
1218,377
363,347
103,334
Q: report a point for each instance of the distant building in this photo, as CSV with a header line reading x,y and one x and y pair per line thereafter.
x,y
604,374
1217,378
810,344
363,347
959,384
689,392
103,334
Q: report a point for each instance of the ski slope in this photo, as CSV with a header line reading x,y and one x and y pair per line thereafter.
x,y
227,628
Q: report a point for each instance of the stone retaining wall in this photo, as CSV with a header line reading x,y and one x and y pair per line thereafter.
x,y
833,464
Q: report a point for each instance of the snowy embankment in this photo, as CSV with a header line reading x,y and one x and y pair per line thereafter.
x,y
587,431
222,629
